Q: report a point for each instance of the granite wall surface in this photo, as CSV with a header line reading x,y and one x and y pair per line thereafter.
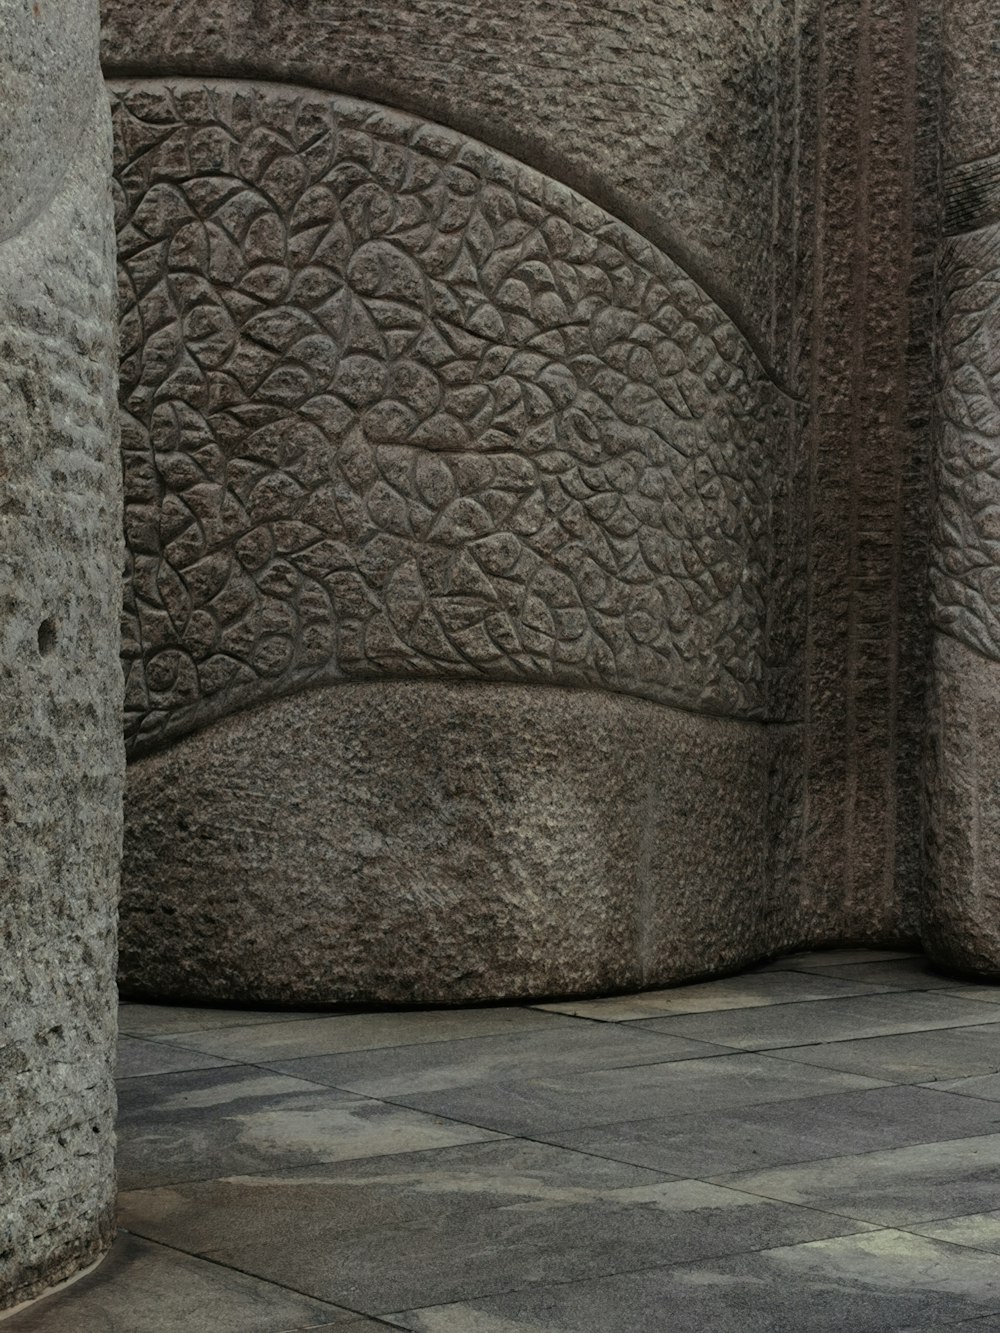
x,y
570,348
962,903
62,761
457,348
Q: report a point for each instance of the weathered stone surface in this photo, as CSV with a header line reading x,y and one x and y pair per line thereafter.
x,y
868,69
435,841
60,543
961,918
962,901
680,119
398,405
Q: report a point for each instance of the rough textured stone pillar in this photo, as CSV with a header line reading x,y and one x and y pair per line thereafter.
x,y
60,549
962,906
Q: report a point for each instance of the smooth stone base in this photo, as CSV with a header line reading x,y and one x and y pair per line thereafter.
x,y
961,925
443,843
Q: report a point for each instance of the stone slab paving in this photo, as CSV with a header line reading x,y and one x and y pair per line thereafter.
x,y
813,1145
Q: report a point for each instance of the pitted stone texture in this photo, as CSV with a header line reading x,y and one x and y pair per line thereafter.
x,y
397,405
962,904
971,49
961,926
47,54
60,692
443,842
680,118
966,570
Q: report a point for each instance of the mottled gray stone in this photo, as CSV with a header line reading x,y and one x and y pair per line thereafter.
x,y
893,1188
61,766
706,1143
961,911
401,405
565,1048
828,1021
164,1020
143,1287
534,1107
910,1057
193,1126
680,119
432,842
264,1044
471,1221
138,1058
906,974
395,405
750,991
866,1283
961,918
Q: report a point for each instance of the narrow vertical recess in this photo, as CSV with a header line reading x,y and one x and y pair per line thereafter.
x,y
861,443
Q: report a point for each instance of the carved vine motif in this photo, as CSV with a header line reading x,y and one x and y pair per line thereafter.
x,y
966,568
396,405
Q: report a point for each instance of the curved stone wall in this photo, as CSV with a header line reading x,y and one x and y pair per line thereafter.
x,y
60,695
682,119
961,924
444,842
398,407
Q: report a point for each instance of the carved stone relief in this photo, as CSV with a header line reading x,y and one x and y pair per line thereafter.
x,y
966,570
399,406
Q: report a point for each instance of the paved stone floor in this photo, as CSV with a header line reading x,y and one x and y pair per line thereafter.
x,y
814,1145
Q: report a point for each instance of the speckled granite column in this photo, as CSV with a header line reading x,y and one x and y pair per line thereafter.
x,y
962,899
60,549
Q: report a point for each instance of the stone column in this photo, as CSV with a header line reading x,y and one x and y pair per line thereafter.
x,y
60,697
962,898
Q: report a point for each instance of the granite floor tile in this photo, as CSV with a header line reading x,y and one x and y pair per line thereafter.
x,y
870,1283
827,1020
750,991
142,1287
241,1119
159,1020
476,1233
895,1188
568,1047
914,1057
833,958
138,1058
533,1106
986,1086
987,992
362,1325
366,1195
980,1231
908,974
329,1034
713,1142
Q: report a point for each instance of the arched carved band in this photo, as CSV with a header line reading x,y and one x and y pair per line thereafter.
x,y
396,405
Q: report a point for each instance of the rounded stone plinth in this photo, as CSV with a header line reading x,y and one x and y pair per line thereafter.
x,y
445,843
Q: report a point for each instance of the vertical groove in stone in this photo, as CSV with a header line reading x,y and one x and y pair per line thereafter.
x,y
861,441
